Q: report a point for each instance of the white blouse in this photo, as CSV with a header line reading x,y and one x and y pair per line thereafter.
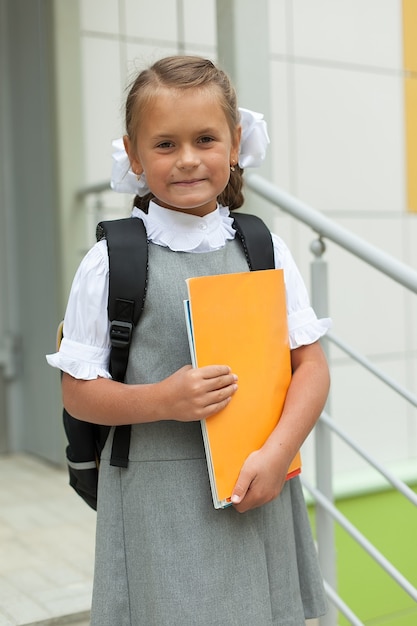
x,y
85,348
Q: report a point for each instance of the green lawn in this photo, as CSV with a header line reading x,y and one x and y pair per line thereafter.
x,y
389,521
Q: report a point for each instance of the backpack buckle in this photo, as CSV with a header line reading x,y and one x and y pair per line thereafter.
x,y
120,334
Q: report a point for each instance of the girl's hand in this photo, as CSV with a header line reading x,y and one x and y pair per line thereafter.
x,y
187,395
192,394
261,480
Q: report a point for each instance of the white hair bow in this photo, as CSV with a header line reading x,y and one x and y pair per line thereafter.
x,y
253,144
254,140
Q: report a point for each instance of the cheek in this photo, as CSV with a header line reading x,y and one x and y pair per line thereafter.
x,y
220,163
154,168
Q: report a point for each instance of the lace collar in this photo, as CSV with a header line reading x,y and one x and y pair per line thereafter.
x,y
184,232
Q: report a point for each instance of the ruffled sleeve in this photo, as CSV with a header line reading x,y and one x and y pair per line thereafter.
x,y
303,325
85,349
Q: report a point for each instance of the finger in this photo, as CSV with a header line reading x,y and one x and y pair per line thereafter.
x,y
216,396
220,383
219,399
215,371
212,409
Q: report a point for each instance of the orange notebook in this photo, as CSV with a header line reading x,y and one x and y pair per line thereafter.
x,y
240,320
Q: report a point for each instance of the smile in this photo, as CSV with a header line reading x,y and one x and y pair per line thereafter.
x,y
188,183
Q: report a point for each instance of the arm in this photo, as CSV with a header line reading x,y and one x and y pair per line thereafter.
x,y
187,395
264,472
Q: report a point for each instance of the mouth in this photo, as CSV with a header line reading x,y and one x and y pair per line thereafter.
x,y
188,183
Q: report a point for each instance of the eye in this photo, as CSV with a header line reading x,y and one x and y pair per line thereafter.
x,y
206,139
164,145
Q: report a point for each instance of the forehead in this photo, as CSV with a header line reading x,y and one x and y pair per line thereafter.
x,y
193,107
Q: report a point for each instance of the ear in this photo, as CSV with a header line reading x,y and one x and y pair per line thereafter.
x,y
135,163
234,152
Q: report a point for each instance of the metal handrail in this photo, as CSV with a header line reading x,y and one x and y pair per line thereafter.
x,y
342,606
380,260
93,189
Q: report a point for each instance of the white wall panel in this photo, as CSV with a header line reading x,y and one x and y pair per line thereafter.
x,y
410,230
280,127
277,25
101,16
349,31
151,20
349,139
200,23
102,105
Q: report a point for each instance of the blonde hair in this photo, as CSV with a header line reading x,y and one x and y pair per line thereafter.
x,y
185,72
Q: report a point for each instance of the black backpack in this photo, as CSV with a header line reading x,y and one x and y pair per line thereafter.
x,y
128,268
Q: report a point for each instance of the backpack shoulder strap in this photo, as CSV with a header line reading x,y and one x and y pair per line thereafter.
x,y
256,240
128,271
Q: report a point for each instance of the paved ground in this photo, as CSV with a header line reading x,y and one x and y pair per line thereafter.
x,y
46,546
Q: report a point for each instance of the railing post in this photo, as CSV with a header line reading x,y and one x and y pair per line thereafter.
x,y
323,444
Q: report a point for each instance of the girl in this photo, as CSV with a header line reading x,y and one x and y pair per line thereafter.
x,y
164,555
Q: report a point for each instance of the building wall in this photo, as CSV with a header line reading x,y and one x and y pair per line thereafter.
x,y
340,128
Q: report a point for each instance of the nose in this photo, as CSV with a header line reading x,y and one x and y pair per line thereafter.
x,y
188,158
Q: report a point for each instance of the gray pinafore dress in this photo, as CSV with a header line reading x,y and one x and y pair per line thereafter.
x,y
164,555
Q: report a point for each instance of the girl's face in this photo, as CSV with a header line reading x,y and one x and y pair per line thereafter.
x,y
185,148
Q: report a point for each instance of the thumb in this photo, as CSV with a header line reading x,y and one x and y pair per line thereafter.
x,y
242,486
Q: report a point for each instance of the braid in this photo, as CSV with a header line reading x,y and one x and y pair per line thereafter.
x,y
142,202
232,195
